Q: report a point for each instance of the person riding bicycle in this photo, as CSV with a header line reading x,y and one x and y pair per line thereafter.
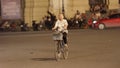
x,y
61,25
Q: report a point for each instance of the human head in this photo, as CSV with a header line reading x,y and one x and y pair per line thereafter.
x,y
60,16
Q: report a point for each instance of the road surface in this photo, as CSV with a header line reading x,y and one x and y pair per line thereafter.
x,y
88,49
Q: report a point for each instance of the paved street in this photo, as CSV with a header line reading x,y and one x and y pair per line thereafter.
x,y
88,48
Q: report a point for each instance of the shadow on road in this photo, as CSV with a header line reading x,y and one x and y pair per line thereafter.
x,y
43,59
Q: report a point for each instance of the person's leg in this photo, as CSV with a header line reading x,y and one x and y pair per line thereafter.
x,y
65,38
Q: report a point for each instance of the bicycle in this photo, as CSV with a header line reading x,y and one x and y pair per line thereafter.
x,y
61,50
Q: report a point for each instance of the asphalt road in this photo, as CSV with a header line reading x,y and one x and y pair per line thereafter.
x,y
88,49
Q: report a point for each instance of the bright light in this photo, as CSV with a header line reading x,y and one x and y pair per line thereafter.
x,y
94,22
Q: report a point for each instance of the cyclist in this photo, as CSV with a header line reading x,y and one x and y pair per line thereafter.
x,y
61,25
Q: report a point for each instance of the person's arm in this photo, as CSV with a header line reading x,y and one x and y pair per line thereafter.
x,y
66,25
55,27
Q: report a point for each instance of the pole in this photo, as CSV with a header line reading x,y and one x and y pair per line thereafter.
x,y
32,10
0,8
23,9
63,8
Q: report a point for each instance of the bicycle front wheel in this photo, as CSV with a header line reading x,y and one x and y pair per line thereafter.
x,y
65,52
58,51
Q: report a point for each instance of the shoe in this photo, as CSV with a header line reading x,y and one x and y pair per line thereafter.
x,y
66,45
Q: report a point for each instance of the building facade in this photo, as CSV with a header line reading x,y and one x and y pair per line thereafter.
x,y
37,9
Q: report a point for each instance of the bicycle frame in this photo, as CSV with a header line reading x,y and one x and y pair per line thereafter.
x,y
61,49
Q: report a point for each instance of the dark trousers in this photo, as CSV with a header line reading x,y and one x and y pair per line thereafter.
x,y
65,38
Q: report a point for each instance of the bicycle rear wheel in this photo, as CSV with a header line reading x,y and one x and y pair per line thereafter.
x,y
65,52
